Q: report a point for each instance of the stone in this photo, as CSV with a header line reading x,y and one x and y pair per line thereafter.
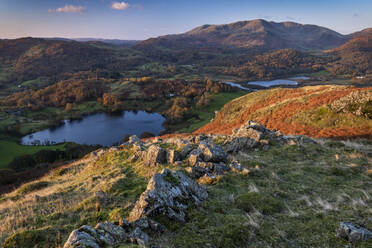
x,y
212,153
195,156
155,155
240,144
139,237
168,193
117,232
353,233
81,239
186,150
173,156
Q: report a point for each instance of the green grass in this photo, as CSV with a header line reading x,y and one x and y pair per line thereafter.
x,y
207,113
9,149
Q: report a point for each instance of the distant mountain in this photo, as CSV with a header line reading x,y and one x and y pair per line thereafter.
x,y
257,34
355,56
30,58
115,42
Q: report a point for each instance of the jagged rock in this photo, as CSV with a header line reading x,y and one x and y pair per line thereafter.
x,y
117,232
168,193
177,142
352,103
142,223
173,156
186,150
195,156
195,171
139,237
353,233
81,239
212,153
239,144
155,155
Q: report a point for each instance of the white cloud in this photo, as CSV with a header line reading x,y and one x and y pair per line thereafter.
x,y
68,9
119,5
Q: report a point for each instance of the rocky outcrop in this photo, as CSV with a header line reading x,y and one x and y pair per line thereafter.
x,y
108,234
168,193
353,103
155,155
250,135
353,233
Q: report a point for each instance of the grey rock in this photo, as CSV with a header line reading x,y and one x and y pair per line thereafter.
x,y
117,232
173,156
186,150
212,153
168,193
139,237
81,239
195,156
353,233
155,155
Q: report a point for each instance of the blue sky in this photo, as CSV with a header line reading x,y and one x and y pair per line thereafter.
x,y
141,19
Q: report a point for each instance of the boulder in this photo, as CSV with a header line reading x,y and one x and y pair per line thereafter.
x,y
155,155
81,239
139,237
117,232
241,143
212,153
168,193
173,156
353,233
195,156
186,150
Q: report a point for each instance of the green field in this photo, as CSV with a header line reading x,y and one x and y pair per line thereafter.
x,y
207,113
9,149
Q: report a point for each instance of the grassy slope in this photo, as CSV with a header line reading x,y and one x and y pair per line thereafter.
x,y
293,111
304,192
9,149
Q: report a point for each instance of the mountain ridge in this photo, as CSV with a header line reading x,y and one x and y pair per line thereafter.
x,y
257,33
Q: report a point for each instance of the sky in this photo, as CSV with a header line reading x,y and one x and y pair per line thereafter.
x,y
142,19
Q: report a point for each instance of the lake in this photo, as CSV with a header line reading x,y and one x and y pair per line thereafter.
x,y
277,82
103,129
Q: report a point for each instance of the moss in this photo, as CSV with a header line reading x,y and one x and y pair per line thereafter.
x,y
27,188
263,203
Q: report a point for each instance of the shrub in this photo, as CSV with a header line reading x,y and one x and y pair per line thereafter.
x,y
6,176
22,162
263,203
145,135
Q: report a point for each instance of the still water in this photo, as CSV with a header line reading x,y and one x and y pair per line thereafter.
x,y
103,129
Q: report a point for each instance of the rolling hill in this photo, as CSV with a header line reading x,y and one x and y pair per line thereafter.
x,y
257,34
317,111
355,56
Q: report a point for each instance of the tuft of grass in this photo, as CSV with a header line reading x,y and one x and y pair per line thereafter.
x,y
259,201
